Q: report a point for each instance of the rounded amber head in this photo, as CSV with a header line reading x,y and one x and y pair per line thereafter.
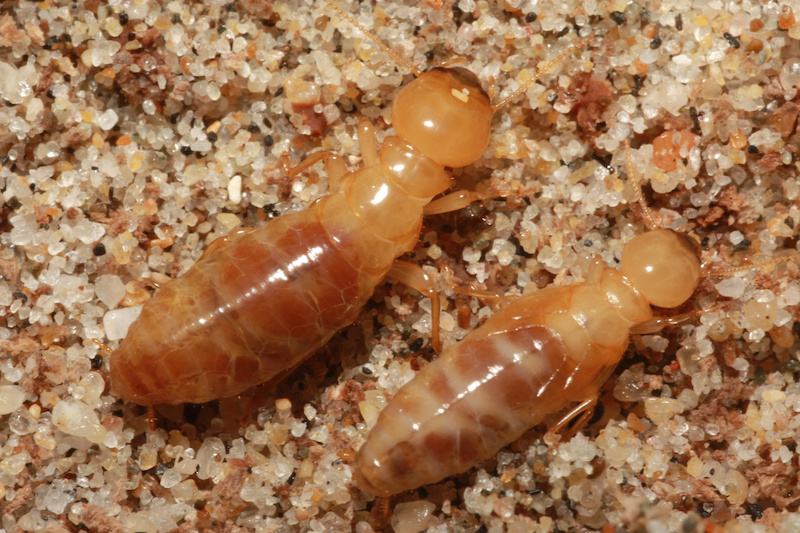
x,y
664,266
446,115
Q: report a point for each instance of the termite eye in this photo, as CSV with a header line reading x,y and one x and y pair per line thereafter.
x,y
663,265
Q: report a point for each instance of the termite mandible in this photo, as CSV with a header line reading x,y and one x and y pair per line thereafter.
x,y
261,303
539,354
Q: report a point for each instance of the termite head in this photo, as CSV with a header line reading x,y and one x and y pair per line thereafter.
x,y
446,115
663,265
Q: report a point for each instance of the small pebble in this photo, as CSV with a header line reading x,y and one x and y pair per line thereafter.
x,y
235,189
731,287
110,290
413,517
76,418
11,398
773,396
117,322
659,410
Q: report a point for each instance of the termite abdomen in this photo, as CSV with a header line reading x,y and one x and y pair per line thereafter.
x,y
214,328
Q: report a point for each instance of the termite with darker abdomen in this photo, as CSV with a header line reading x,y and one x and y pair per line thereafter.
x,y
263,302
538,355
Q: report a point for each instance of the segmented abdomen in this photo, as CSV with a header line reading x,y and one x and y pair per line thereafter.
x,y
481,394
246,313
257,307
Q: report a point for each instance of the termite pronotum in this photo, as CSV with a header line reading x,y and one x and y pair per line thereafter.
x,y
539,354
262,303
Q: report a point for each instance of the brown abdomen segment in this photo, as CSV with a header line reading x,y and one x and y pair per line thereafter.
x,y
479,396
246,313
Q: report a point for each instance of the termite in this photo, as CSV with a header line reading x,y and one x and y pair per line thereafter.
x,y
540,354
263,301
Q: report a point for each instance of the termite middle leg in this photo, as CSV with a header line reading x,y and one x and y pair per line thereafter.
x,y
493,298
453,202
658,323
418,279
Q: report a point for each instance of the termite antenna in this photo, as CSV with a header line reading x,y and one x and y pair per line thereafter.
x,y
544,69
650,222
103,347
372,37
731,271
649,219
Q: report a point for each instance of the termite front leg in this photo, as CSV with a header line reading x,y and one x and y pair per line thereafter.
x,y
334,167
334,163
368,144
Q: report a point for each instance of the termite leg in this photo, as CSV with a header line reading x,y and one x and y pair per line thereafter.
x,y
372,37
488,297
103,347
334,166
492,89
156,280
418,279
223,241
656,324
262,392
151,417
450,62
595,271
730,271
453,202
493,298
151,412
583,412
368,144
635,181
305,163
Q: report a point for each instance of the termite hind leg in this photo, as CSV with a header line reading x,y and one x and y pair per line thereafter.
x,y
581,414
257,396
418,279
